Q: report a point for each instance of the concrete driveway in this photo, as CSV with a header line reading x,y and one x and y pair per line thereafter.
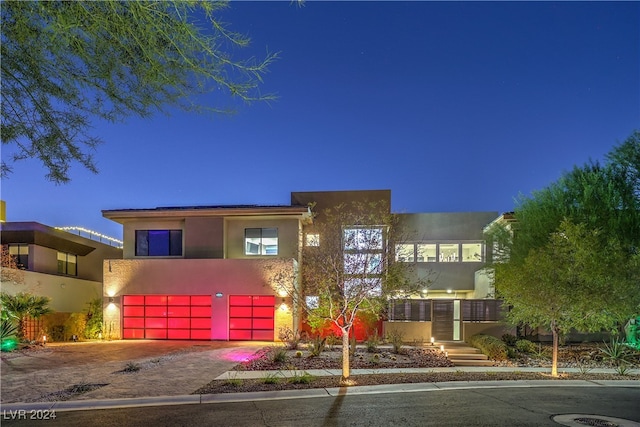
x,y
165,368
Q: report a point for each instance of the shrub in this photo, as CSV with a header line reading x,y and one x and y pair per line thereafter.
x,y
93,327
304,378
271,378
509,339
525,346
395,338
8,335
492,347
616,352
290,338
298,354
75,325
317,345
332,340
131,367
372,342
278,355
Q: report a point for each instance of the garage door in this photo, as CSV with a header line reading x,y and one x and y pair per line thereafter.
x,y
172,317
251,317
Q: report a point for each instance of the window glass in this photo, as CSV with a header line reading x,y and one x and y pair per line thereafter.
x,y
363,238
313,302
21,255
67,264
158,242
426,252
62,263
404,252
472,252
261,241
448,252
312,239
362,263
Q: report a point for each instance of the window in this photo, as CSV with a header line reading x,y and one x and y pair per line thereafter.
x,y
261,241
363,238
21,254
426,252
158,242
449,252
472,252
312,239
312,302
359,263
404,252
67,264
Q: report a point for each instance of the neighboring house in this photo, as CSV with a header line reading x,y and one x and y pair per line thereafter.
x,y
65,267
207,272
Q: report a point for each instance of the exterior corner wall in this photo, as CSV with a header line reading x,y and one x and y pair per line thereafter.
x,y
68,294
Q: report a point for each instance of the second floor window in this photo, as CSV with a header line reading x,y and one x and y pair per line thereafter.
x,y
67,264
21,255
158,242
261,241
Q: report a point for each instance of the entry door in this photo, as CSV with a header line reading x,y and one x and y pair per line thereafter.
x,y
442,320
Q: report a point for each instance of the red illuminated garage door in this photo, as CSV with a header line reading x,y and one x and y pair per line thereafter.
x,y
166,317
251,317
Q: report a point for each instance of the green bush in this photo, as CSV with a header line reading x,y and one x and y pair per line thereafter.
x,y
93,327
372,342
75,325
278,355
525,346
316,345
396,338
489,345
509,339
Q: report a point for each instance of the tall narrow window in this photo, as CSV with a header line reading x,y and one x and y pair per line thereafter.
x,y
21,255
261,241
449,252
67,264
158,242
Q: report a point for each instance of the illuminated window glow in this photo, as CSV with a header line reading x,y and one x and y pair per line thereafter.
x,y
261,241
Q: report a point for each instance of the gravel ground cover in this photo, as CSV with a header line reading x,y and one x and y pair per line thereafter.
x,y
584,357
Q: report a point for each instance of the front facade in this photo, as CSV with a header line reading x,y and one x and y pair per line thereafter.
x,y
65,267
216,272
203,272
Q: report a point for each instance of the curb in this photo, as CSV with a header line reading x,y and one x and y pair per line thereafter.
x,y
193,399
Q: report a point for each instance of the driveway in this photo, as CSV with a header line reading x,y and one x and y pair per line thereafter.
x,y
164,368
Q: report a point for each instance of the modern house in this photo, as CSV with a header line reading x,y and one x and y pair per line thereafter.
x,y
212,272
58,264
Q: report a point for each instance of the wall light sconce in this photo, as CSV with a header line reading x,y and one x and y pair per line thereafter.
x,y
110,300
449,291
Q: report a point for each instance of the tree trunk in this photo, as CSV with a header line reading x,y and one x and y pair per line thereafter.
x,y
345,357
554,357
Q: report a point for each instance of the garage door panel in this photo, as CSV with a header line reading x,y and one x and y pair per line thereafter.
x,y
155,322
201,300
155,311
133,322
201,334
262,324
200,323
240,334
179,323
263,312
200,311
130,311
156,334
133,334
179,311
240,323
263,300
240,311
155,300
263,335
133,300
179,300
178,334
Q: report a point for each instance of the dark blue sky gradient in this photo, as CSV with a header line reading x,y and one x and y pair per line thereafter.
x,y
453,106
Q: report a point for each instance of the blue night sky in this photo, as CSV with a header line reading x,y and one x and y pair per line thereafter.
x,y
452,106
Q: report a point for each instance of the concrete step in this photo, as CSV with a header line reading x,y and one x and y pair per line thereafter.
x,y
465,362
462,356
462,350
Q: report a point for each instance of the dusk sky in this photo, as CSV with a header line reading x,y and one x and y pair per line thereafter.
x,y
452,106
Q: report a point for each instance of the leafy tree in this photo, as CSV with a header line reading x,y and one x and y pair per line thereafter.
x,y
579,279
67,62
351,270
22,306
10,271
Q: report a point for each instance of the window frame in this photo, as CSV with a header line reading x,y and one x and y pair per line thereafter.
x,y
263,249
173,245
63,264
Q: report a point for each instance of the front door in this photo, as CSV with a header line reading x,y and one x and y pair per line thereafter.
x,y
442,320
